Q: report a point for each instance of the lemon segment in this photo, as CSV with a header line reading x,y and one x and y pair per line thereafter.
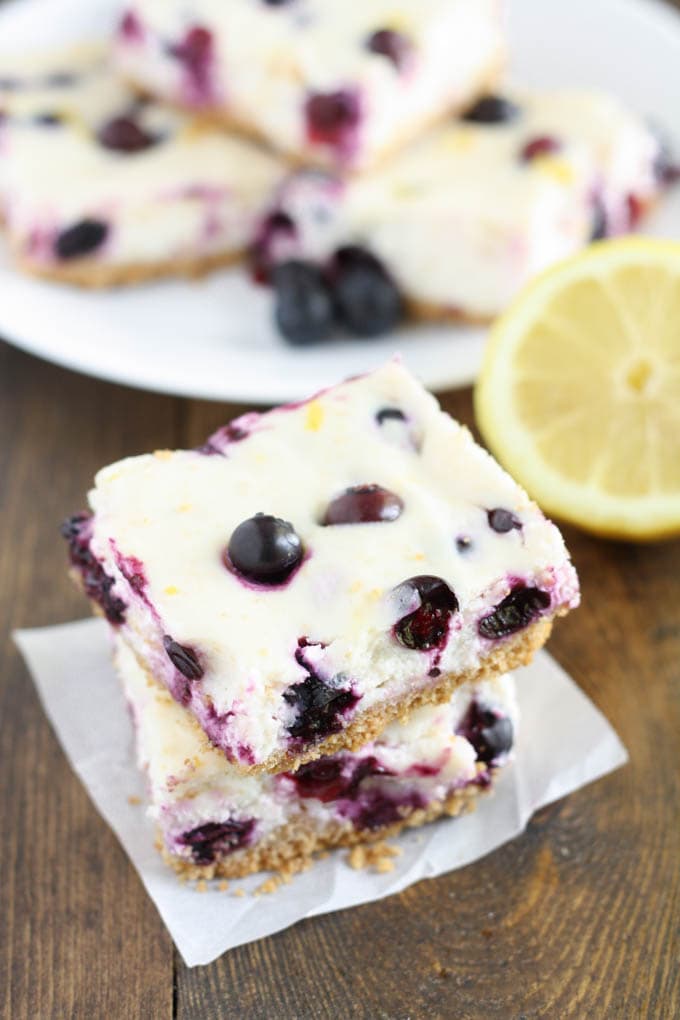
x,y
579,392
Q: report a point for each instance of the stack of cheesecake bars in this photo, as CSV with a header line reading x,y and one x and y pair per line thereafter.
x,y
366,155
313,616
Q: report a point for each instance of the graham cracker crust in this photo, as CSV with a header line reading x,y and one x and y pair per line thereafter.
x,y
291,847
95,275
507,655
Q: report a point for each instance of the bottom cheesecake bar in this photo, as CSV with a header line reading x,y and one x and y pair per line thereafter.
x,y
214,821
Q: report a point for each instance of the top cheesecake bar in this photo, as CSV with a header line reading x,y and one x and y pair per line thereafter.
x,y
311,574
335,84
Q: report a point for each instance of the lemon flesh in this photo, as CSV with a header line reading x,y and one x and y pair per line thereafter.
x,y
579,393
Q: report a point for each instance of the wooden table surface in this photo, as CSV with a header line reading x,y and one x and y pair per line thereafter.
x,y
576,918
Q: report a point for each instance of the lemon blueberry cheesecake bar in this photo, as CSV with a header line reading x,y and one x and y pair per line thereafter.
x,y
215,821
311,574
337,84
99,187
461,219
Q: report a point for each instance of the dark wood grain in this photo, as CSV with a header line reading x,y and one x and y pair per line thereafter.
x,y
78,936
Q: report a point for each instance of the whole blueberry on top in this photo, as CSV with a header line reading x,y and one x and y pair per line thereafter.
x,y
363,504
265,549
396,46
303,303
502,521
366,297
516,611
492,110
427,626
82,238
332,117
389,414
123,134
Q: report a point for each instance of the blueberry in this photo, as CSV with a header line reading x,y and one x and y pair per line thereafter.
x,y
304,306
319,708
195,53
265,549
183,658
516,611
393,45
213,838
492,110
363,504
263,254
490,733
427,626
123,134
389,414
544,145
97,584
367,300
130,27
322,779
83,237
502,521
332,117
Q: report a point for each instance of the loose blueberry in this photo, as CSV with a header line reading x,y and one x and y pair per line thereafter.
x,y
303,303
542,146
123,134
363,504
393,45
492,110
332,117
213,838
502,521
514,613
489,732
81,239
428,625
97,584
183,658
366,298
319,708
265,549
389,414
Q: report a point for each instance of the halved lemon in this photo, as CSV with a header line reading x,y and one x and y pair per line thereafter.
x,y
579,393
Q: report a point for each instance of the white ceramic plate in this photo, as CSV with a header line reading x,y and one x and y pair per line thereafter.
x,y
213,338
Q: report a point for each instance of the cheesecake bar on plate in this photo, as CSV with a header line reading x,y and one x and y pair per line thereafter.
x,y
311,574
216,821
336,84
460,220
99,187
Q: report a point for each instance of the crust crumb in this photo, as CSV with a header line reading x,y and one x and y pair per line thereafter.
x,y
239,892
133,799
223,885
201,885
377,856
